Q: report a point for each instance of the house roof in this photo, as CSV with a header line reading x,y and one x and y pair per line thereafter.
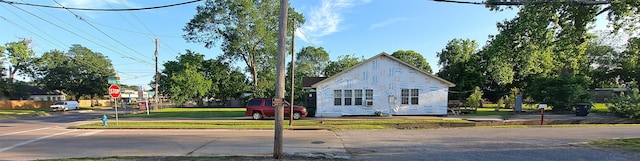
x,y
307,82
383,54
34,90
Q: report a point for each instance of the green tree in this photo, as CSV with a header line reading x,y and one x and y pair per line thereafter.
x,y
344,62
460,64
475,99
79,72
561,92
20,56
247,30
629,70
311,61
413,58
188,84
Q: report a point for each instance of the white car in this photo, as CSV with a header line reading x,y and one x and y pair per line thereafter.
x,y
65,105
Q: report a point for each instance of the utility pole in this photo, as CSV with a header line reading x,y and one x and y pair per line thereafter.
x,y
157,78
293,68
280,81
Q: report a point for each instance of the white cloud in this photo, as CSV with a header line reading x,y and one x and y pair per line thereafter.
x,y
388,22
325,19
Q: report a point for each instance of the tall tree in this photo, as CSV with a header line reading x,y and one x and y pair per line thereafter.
x,y
413,58
247,30
344,62
20,55
460,63
311,61
79,72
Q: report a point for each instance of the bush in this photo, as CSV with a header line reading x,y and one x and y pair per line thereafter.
x,y
561,92
627,106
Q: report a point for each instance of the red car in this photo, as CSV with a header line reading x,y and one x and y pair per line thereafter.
x,y
258,108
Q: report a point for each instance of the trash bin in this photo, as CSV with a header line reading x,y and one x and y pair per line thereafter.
x,y
582,109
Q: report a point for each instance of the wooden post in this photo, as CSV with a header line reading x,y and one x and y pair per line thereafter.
x,y
280,81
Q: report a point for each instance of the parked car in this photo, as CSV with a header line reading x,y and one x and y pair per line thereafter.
x,y
65,105
258,108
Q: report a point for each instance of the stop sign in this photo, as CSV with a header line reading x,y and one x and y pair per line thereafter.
x,y
114,91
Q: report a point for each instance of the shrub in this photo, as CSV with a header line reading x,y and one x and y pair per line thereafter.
x,y
475,99
561,92
626,105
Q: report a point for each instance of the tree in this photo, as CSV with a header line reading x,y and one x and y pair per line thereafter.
x,y
413,58
460,63
79,72
20,56
629,70
605,64
475,99
311,61
344,62
561,92
247,30
192,76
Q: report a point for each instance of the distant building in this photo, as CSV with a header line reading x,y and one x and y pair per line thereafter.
x,y
38,94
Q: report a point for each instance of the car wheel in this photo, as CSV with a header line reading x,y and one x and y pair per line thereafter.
x,y
257,115
297,115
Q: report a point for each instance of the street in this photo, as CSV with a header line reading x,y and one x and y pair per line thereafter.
x,y
48,138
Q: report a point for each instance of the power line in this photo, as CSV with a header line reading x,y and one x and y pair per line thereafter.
x,y
71,32
98,9
116,40
130,31
34,26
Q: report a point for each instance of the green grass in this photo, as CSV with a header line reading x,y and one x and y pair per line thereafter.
x,y
599,108
193,113
266,124
21,113
632,144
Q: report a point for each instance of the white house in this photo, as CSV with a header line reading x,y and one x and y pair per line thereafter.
x,y
381,84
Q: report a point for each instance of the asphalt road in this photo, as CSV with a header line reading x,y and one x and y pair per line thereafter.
x,y
48,137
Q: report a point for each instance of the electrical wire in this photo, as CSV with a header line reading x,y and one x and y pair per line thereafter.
x,y
104,33
25,29
99,9
34,26
72,32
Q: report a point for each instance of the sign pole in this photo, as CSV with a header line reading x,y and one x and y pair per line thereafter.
x,y
116,101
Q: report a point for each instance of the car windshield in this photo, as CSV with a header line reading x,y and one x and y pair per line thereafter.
x,y
58,103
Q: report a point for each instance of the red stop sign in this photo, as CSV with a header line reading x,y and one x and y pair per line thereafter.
x,y
114,91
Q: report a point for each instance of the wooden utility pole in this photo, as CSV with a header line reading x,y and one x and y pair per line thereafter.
x,y
293,68
280,81
157,78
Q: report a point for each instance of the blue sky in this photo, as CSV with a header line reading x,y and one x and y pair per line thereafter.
x,y
358,27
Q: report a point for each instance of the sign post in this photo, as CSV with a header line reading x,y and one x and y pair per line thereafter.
x,y
541,107
114,92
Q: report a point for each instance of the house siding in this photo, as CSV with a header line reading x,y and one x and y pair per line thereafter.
x,y
386,77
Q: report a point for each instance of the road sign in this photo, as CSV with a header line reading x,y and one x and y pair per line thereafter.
x,y
114,91
142,105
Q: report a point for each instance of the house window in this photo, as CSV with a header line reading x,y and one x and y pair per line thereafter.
x,y
337,97
405,96
358,97
409,96
369,97
348,97
414,96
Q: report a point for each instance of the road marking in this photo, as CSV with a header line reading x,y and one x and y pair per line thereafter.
x,y
33,140
25,131
89,133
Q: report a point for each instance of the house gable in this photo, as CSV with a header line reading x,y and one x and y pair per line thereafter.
x,y
382,84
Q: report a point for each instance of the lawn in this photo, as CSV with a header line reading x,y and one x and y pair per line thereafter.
x,y
632,144
20,113
193,113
